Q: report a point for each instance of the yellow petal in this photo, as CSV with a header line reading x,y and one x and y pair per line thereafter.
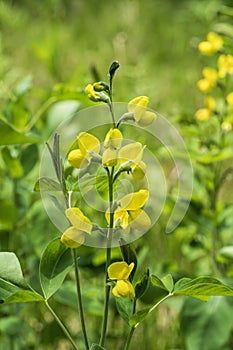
x,y
139,171
79,220
132,151
77,160
145,119
121,218
205,85
138,101
88,142
229,98
120,270
113,139
123,289
139,220
206,48
210,103
215,40
109,157
203,114
210,74
134,201
72,237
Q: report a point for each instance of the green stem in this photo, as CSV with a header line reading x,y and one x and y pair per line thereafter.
x,y
128,341
80,299
40,112
64,329
132,329
108,258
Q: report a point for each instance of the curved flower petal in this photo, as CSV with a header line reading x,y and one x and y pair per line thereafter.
x,y
123,289
77,159
120,270
109,157
132,151
79,220
139,220
113,139
145,119
134,201
138,101
139,171
121,218
88,142
72,237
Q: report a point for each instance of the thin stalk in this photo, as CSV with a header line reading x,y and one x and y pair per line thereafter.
x,y
108,259
128,341
127,344
110,105
40,112
82,320
60,323
130,335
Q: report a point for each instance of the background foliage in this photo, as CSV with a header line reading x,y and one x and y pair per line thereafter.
x,y
49,51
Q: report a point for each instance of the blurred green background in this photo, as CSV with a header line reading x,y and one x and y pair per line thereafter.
x,y
49,51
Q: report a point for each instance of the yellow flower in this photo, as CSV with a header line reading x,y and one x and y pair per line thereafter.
x,y
74,236
225,65
210,78
80,158
78,219
212,45
229,99
203,114
129,213
94,92
112,142
131,155
226,126
138,107
113,139
210,103
120,271
109,157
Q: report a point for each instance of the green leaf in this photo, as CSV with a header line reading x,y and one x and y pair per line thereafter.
x,y
125,308
226,253
142,285
29,158
8,215
138,317
55,263
157,282
129,255
206,325
11,136
202,288
46,184
96,347
168,282
12,163
13,287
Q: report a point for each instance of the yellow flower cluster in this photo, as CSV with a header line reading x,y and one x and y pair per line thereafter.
x,y
138,107
74,236
209,80
225,65
120,272
128,156
203,114
212,45
129,213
